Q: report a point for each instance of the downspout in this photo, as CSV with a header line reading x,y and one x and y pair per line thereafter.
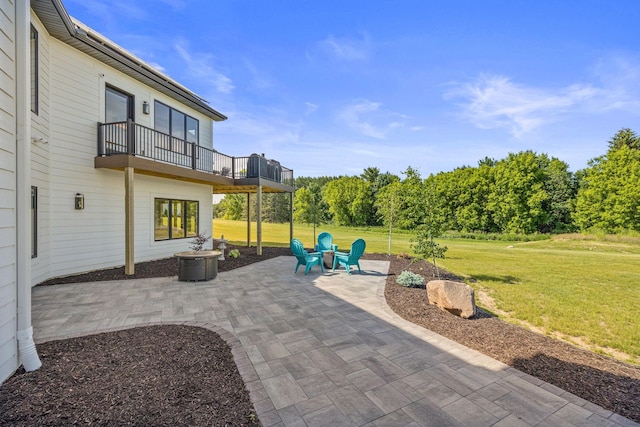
x,y
26,347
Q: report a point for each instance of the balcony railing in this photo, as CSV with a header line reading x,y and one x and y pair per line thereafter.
x,y
137,140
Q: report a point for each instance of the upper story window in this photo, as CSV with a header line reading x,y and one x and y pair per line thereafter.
x,y
118,105
175,123
34,69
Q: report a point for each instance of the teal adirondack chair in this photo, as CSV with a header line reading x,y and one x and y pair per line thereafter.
x,y
305,258
325,243
351,258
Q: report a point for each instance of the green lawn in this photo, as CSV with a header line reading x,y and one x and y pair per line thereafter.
x,y
278,235
583,289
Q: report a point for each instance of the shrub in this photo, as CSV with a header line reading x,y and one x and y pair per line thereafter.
x,y
410,280
198,241
234,253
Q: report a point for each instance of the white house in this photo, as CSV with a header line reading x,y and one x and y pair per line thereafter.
x,y
105,162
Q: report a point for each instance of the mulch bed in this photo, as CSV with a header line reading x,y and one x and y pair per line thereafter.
x,y
172,375
168,267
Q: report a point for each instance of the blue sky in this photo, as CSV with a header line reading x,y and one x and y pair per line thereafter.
x,y
332,87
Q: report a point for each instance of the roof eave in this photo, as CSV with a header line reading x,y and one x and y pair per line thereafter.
x,y
59,24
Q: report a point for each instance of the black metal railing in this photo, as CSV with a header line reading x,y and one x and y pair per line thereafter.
x,y
256,165
137,140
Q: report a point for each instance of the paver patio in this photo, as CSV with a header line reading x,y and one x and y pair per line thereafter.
x,y
321,350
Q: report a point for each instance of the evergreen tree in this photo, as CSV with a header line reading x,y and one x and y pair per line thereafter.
x,y
624,137
376,181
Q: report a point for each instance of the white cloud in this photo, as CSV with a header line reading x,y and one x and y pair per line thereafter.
x,y
620,77
200,66
175,4
109,12
494,101
497,102
258,79
356,116
265,128
311,107
368,118
347,48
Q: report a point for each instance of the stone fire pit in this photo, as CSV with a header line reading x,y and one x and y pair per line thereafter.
x,y
197,266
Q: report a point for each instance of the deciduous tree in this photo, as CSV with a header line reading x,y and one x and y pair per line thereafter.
x,y
233,207
518,198
308,206
349,200
609,194
387,205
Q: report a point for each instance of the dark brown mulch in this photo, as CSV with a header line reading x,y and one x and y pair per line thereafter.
x,y
170,375
169,266
607,382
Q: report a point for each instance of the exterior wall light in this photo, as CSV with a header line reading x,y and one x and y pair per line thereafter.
x,y
79,201
145,107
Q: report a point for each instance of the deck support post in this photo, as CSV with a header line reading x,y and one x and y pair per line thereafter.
x,y
291,216
129,264
248,220
259,219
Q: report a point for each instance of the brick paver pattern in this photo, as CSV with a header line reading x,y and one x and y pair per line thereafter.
x,y
323,349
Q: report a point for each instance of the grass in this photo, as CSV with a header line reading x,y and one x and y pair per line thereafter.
x,y
581,288
580,291
278,235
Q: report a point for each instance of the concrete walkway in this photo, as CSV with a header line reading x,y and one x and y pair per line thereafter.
x,y
323,350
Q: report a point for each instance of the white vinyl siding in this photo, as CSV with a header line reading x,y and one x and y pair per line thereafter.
x,y
8,282
93,238
40,156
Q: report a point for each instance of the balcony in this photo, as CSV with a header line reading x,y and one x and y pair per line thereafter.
x,y
127,144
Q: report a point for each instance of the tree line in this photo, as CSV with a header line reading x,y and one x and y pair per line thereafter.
x,y
524,193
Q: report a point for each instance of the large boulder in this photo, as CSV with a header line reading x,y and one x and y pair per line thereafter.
x,y
454,297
